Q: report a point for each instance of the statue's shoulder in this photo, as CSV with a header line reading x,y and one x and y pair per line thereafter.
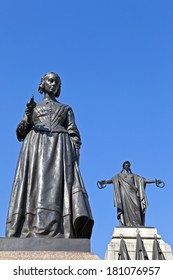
x,y
66,106
136,175
138,178
116,176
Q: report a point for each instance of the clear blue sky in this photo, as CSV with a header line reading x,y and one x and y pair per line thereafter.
x,y
115,59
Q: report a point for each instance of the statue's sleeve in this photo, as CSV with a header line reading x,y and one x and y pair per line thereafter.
x,y
72,129
23,128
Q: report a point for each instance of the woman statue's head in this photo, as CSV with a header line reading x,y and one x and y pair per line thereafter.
x,y
49,78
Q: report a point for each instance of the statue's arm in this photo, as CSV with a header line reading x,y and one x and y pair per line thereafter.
x,y
107,181
72,128
156,181
26,123
73,132
23,128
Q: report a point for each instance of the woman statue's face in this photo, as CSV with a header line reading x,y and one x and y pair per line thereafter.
x,y
51,84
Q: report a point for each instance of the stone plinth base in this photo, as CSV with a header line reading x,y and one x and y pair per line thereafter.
x,y
45,249
46,255
148,234
44,244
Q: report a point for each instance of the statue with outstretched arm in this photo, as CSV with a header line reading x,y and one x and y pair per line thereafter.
x,y
129,196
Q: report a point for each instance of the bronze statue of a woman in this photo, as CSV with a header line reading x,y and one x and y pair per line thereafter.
x,y
48,197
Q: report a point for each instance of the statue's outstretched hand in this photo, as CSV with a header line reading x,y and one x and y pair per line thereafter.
x,y
158,181
103,182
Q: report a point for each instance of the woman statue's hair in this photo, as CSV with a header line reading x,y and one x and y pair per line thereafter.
x,y
41,87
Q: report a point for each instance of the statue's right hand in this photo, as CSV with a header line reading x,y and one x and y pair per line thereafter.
x,y
31,104
103,182
30,108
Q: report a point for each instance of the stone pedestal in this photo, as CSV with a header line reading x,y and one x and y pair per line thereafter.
x,y
148,234
45,244
45,249
47,255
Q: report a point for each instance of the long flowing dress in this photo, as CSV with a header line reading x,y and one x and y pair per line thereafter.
x,y
130,199
48,197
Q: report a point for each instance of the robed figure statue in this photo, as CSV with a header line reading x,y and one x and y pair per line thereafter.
x,y
48,197
129,196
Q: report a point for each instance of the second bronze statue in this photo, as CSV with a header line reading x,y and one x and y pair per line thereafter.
x,y
129,196
49,198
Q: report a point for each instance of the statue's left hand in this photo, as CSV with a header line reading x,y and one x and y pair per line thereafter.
x,y
22,127
158,181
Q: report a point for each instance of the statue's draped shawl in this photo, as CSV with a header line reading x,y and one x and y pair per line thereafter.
x,y
130,199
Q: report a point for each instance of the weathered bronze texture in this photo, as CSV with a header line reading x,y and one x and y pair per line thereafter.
x,y
49,198
129,196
